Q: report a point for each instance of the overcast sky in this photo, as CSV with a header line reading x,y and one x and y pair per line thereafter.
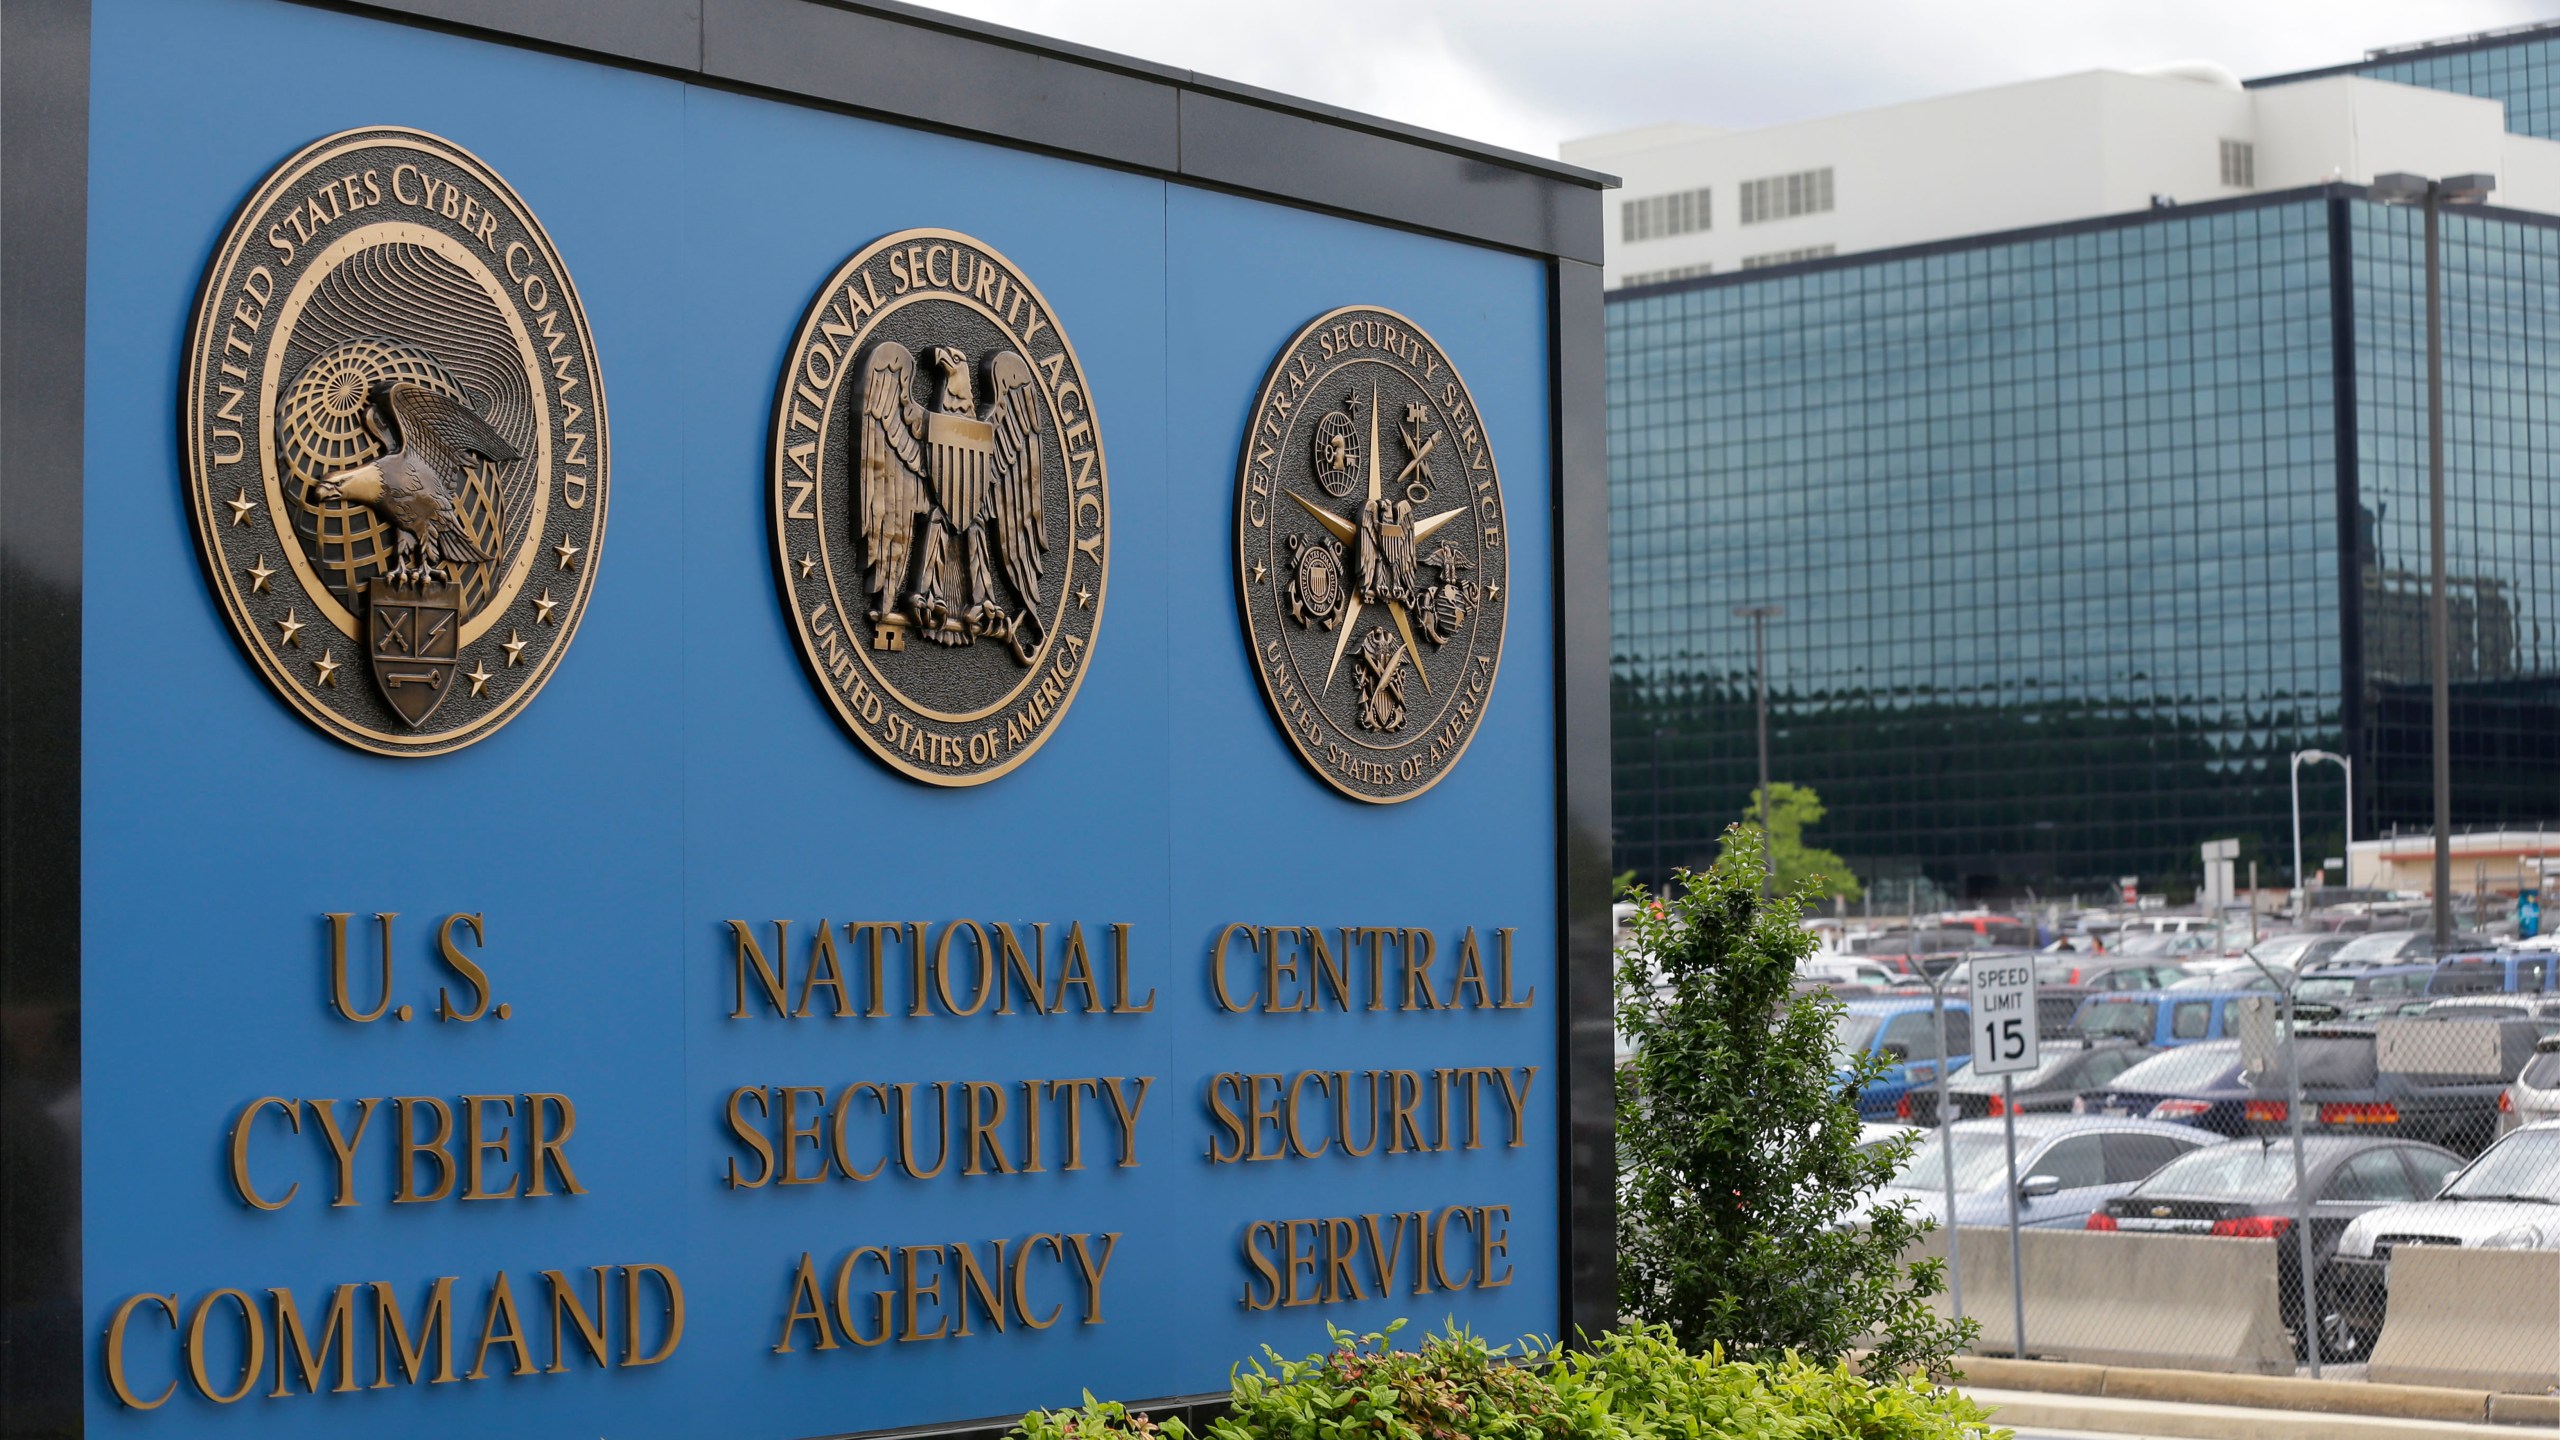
x,y
1528,73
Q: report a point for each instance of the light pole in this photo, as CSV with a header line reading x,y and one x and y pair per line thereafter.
x,y
1659,732
1759,616
2402,188
2301,890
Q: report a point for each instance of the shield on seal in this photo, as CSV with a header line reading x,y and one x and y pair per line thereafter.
x,y
413,637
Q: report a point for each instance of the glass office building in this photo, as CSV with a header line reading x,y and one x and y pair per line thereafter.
x,y
2520,67
2079,533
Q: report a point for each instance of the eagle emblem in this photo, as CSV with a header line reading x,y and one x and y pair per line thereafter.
x,y
413,610
400,508
949,496
941,506
426,437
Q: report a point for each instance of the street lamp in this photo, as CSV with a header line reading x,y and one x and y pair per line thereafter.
x,y
2402,188
2286,989
1759,616
1659,732
2301,892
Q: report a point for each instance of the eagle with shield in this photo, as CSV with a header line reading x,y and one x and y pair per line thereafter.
x,y
961,484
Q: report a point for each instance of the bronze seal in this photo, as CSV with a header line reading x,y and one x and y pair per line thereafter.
x,y
395,441
941,515
1369,553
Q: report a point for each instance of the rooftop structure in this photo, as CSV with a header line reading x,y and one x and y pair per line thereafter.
x,y
1699,201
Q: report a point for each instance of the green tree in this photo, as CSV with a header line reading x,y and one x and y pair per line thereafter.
x,y
1740,1172
1793,809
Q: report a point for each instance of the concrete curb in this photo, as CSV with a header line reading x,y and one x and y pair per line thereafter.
x,y
2187,1421
2257,1392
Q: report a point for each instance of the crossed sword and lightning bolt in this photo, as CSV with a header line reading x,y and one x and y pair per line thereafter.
x,y
1348,531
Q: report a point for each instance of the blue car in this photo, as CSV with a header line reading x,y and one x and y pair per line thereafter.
x,y
2197,1085
1899,1030
2493,972
2165,1018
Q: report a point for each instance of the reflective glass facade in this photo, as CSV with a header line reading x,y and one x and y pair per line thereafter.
x,y
2079,534
2502,515
2523,71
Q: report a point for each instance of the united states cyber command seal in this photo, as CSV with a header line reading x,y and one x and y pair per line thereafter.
x,y
941,518
395,441
1369,553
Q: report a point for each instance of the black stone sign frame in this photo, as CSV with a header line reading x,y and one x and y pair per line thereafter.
x,y
893,62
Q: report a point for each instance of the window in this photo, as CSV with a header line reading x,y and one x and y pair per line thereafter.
x,y
2106,1065
1651,217
2191,1019
1783,197
2077,1162
2132,1158
2129,1019
2428,1168
1787,257
2374,1175
2240,164
1657,277
1910,1030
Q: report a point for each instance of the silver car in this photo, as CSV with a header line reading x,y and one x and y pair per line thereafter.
x,y
2068,1166
2508,1199
2535,1095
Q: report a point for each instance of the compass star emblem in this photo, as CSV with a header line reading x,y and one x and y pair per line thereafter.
x,y
1371,593
1386,549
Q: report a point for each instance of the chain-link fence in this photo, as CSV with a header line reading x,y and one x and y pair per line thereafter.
x,y
2200,1182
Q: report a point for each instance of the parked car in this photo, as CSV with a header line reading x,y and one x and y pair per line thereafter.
x,y
2250,979
2535,1096
2349,986
2542,1010
2405,1006
1872,1133
2064,979
2068,1166
2069,1069
2199,1085
2098,974
2163,1018
1898,1029
2493,972
2440,1085
2393,947
1832,968
2006,931
2295,952
2244,1188
2508,1199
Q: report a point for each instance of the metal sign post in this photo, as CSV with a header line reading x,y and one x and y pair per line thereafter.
x,y
2006,1042
2291,1022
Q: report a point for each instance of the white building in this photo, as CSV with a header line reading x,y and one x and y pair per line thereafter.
x,y
1703,201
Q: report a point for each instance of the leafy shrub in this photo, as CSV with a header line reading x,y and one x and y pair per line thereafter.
x,y
1740,1169
1096,1420
1654,1390
1454,1388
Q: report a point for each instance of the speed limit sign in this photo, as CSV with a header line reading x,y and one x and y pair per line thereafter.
x,y
2004,1016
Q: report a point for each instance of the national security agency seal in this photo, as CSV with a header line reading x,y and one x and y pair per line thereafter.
x,y
395,441
1369,553
941,516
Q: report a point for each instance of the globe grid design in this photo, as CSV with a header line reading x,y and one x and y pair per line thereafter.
x,y
321,431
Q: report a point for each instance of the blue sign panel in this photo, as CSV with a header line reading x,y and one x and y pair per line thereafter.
x,y
662,1062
